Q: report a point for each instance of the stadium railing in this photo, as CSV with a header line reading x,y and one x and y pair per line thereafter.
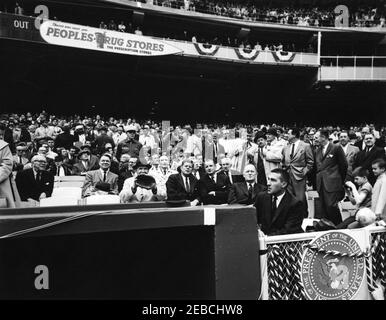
x,y
353,68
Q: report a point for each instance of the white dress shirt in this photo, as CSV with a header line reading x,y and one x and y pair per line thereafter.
x,y
279,198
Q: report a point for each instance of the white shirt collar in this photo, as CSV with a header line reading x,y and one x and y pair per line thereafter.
x,y
279,198
102,171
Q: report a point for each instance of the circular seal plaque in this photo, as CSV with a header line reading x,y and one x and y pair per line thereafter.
x,y
332,277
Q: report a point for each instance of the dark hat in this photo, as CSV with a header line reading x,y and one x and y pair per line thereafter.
x,y
139,164
260,134
58,158
84,147
83,151
272,131
103,186
145,181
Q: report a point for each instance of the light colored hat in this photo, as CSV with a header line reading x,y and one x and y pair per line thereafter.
x,y
130,128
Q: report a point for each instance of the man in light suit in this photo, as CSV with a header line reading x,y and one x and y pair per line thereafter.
x,y
212,148
350,152
298,160
100,175
272,152
331,170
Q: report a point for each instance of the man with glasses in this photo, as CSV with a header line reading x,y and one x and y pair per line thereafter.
x,y
226,170
368,154
35,183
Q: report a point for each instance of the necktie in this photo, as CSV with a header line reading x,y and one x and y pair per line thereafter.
x,y
38,176
104,176
292,150
250,191
187,185
212,177
58,170
20,161
367,149
274,206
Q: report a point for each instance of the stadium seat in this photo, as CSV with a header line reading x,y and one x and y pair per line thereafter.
x,y
60,192
59,201
102,199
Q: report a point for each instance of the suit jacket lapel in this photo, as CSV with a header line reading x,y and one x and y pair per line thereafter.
x,y
300,145
244,187
283,203
329,147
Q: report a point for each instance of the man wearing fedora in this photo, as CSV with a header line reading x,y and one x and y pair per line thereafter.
x,y
103,174
132,146
141,187
87,162
20,159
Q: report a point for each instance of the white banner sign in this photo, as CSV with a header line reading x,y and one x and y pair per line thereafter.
x,y
77,36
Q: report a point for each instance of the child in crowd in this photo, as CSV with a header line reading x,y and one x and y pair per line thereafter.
x,y
360,197
378,201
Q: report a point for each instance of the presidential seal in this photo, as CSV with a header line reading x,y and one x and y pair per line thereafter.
x,y
328,276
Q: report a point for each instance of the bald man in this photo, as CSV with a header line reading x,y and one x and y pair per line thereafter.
x,y
35,183
246,192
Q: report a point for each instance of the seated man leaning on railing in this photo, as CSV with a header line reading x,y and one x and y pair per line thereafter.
x,y
278,211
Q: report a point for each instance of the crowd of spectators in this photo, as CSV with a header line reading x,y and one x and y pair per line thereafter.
x,y
364,16
221,163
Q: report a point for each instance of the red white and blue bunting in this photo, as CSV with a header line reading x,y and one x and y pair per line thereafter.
x,y
283,56
247,54
206,49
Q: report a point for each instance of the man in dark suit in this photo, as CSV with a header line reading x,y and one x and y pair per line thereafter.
x,y
278,212
102,140
331,170
35,183
87,162
183,186
361,143
60,169
246,192
226,170
366,157
65,140
213,188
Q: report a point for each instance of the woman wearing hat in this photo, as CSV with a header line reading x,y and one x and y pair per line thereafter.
x,y
140,188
